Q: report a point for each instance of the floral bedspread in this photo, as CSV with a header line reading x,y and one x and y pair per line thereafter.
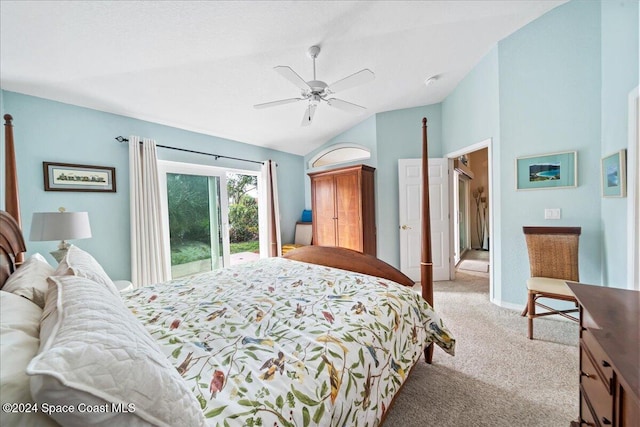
x,y
283,343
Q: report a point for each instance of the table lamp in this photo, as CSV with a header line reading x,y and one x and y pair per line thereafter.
x,y
61,225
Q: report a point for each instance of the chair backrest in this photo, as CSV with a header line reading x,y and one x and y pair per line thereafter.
x,y
553,252
304,233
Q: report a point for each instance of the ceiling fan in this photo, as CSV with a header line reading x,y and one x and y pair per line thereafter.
x,y
316,91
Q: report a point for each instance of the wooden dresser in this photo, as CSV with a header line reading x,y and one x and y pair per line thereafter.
x,y
343,205
609,356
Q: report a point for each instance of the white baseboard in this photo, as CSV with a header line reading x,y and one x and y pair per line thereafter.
x,y
509,305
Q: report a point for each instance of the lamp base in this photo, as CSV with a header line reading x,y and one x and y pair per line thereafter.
x,y
58,254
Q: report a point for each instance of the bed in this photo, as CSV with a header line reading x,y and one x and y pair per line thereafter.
x,y
323,336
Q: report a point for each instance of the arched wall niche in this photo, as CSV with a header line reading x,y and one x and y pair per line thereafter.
x,y
338,154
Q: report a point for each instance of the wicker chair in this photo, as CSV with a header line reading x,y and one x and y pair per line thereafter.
x,y
553,260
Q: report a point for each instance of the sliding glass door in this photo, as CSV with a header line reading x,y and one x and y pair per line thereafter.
x,y
196,220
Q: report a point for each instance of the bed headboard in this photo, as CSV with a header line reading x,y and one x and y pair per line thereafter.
x,y
12,246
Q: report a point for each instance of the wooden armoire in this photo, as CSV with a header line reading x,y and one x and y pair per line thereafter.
x,y
343,205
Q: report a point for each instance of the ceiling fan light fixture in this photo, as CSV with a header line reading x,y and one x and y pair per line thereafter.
x,y
313,52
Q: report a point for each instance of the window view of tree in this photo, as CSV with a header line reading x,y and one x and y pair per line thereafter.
x,y
189,222
243,213
196,217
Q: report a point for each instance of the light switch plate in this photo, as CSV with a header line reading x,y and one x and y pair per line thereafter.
x,y
552,213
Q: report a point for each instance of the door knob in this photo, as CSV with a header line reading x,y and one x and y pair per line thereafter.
x,y
406,227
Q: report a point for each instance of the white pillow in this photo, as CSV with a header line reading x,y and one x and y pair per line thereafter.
x,y
77,262
98,353
30,279
19,340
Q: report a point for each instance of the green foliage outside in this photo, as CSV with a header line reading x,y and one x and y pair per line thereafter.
x,y
189,228
252,246
243,208
188,208
189,251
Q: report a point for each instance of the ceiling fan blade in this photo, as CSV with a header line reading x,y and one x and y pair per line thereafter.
x,y
292,76
356,79
280,102
345,106
308,115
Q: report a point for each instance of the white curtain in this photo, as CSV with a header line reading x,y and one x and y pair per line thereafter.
x,y
148,257
271,246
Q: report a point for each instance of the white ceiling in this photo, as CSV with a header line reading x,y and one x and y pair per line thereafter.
x,y
201,65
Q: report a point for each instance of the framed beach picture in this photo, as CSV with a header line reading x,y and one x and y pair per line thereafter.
x,y
614,175
70,177
555,170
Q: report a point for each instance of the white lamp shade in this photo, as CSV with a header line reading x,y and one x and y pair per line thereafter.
x,y
47,226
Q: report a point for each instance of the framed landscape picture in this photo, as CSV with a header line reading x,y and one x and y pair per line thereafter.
x,y
70,177
555,170
614,175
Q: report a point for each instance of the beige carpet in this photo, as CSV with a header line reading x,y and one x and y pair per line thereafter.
x,y
474,265
498,377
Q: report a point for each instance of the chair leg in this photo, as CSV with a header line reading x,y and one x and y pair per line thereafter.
x,y
526,309
531,308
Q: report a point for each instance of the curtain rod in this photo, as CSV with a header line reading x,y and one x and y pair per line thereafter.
x,y
216,156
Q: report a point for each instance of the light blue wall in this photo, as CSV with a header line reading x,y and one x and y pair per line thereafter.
x,y
51,131
400,137
619,76
470,115
550,102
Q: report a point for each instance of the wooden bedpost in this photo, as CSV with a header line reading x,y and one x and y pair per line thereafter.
x,y
426,264
11,200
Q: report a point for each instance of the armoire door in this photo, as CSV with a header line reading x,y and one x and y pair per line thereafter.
x,y
348,211
324,222
349,222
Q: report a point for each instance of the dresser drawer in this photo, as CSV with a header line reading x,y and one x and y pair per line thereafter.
x,y
595,391
629,410
587,419
598,358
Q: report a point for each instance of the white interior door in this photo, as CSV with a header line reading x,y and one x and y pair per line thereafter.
x,y
410,191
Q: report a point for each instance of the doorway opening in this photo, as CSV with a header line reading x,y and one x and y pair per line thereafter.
x,y
471,201
244,232
196,217
210,217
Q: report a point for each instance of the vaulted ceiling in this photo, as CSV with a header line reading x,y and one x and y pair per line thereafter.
x,y
202,65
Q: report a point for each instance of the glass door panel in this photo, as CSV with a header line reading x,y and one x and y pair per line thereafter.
x,y
197,219
244,231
